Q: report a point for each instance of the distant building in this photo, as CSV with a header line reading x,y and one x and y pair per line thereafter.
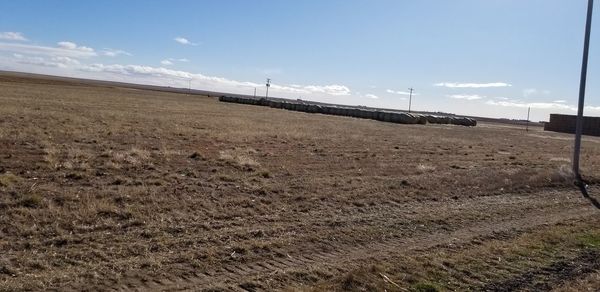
x,y
566,124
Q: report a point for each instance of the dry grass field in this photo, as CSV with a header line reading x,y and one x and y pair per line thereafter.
x,y
105,188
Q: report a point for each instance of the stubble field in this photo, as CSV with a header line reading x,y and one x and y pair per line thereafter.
x,y
105,188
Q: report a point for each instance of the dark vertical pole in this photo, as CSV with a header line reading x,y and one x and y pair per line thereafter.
x,y
268,85
584,65
410,99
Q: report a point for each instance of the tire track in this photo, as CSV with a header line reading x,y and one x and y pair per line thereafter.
x,y
231,277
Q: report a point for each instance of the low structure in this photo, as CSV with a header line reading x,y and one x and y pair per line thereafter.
x,y
363,113
566,124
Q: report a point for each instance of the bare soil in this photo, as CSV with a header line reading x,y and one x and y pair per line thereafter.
x,y
107,188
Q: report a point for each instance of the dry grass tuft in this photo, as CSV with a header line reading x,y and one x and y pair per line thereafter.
x,y
31,201
242,157
9,179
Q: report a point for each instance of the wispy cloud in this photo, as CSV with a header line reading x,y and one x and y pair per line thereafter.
x,y
171,61
210,82
371,96
536,105
74,47
472,85
466,96
114,53
68,58
12,36
57,62
559,101
400,92
184,41
335,90
529,92
65,49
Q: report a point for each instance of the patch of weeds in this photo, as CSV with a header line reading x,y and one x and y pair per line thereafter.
x,y
589,240
31,201
425,287
364,279
8,179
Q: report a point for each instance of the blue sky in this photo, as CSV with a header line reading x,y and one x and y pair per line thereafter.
x,y
477,57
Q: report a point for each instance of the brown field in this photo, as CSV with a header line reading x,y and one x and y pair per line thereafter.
x,y
106,188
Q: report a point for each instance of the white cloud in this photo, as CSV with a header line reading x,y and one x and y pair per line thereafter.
x,y
336,90
592,108
184,41
533,91
114,53
372,96
75,47
170,61
466,96
65,49
559,101
472,85
12,36
400,92
216,83
67,58
536,105
58,62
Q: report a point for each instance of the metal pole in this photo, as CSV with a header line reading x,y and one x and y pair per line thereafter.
x,y
410,99
584,65
254,92
528,112
268,85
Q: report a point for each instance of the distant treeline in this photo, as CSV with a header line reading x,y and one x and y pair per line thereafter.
x,y
379,115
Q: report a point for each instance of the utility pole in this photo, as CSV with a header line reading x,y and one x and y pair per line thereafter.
x,y
582,83
268,85
410,98
190,86
254,92
528,112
